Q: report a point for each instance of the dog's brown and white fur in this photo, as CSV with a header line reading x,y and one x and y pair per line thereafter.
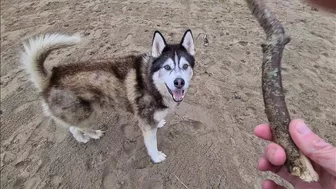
x,y
148,85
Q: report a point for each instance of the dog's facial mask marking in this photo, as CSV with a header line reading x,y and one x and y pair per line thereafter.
x,y
173,65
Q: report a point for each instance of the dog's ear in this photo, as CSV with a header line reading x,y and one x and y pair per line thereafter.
x,y
159,43
188,42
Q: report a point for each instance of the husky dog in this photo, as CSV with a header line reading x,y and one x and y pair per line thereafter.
x,y
147,85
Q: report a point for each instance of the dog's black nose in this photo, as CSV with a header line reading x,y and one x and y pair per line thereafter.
x,y
179,83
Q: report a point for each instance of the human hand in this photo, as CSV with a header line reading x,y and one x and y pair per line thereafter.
x,y
321,153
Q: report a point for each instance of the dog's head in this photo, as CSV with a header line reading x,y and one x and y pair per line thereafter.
x,y
173,65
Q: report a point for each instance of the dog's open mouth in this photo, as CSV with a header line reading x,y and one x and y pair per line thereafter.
x,y
177,94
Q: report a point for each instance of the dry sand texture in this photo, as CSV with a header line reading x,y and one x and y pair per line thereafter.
x,y
209,140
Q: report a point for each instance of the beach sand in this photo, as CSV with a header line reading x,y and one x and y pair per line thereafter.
x,y
209,140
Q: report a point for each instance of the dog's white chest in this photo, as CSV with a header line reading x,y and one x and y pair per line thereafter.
x,y
161,114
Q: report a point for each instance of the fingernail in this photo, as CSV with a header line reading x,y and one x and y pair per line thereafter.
x,y
302,128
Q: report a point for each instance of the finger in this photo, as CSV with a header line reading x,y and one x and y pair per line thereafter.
x,y
273,160
269,184
283,173
263,131
275,154
265,165
313,146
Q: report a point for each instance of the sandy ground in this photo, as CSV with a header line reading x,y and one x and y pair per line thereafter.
x,y
209,140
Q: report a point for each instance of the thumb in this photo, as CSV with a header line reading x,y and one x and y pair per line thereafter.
x,y
319,151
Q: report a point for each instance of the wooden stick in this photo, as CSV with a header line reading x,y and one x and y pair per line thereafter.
x,y
275,106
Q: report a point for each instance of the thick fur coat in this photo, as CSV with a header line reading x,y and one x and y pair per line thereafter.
x,y
147,85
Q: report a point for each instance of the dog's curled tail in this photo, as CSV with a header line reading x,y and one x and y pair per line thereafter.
x,y
36,51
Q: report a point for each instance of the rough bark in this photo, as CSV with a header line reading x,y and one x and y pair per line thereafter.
x,y
275,106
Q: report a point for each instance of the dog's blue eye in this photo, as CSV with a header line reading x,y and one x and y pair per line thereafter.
x,y
185,66
167,67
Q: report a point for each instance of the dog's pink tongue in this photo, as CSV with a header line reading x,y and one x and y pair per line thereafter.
x,y
178,94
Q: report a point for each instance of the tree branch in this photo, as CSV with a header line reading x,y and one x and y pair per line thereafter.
x,y
275,106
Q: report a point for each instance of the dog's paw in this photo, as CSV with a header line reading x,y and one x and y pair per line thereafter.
x,y
160,157
95,134
83,139
161,123
78,135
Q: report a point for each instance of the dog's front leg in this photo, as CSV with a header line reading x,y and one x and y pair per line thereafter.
x,y
150,140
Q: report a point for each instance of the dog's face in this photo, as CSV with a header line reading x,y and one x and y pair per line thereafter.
x,y
173,65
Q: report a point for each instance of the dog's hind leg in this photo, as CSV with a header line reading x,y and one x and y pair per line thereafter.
x,y
83,133
94,134
79,135
84,128
75,113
